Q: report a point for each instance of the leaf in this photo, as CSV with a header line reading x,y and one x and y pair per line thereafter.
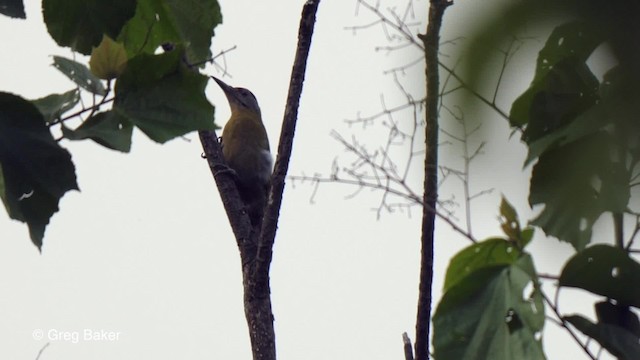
x,y
604,270
106,128
79,74
53,106
36,171
187,22
509,220
577,183
486,254
163,98
80,24
12,8
561,75
619,315
108,60
495,321
618,341
554,101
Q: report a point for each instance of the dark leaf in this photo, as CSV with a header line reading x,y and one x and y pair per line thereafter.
x,y
577,183
12,8
618,341
162,97
186,22
604,270
36,171
619,315
80,24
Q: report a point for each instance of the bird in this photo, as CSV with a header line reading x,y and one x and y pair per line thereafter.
x,y
245,148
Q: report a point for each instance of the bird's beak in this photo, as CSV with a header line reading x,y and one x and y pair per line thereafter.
x,y
229,91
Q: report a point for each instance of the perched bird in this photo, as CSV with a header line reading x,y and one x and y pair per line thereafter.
x,y
245,147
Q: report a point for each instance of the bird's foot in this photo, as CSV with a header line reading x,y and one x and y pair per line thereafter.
x,y
222,169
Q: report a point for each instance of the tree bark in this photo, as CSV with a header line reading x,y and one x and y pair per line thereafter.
x,y
256,244
430,196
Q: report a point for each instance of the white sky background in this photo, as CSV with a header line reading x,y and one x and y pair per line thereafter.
x,y
145,249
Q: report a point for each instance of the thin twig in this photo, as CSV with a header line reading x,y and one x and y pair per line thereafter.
x,y
565,325
42,350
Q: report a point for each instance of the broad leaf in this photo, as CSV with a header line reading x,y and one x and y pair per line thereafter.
x,y
12,8
494,320
163,98
106,128
79,74
619,315
108,60
604,270
186,22
54,105
36,171
563,84
618,341
80,24
577,183
484,255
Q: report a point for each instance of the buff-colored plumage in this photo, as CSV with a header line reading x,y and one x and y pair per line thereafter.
x,y
245,147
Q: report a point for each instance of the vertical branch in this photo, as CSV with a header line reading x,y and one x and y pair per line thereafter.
x,y
431,44
270,222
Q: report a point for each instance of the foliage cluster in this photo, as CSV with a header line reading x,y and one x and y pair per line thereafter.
x,y
583,140
143,73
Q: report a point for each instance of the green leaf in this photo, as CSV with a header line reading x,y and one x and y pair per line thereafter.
x,y
36,171
577,183
108,60
618,341
162,97
495,321
562,83
79,74
187,22
553,101
106,128
54,105
604,270
486,254
509,220
80,24
619,315
12,8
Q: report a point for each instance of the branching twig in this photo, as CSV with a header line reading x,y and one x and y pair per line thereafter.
x,y
563,323
213,59
81,111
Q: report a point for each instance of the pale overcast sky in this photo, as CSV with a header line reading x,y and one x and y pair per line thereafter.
x,y
145,251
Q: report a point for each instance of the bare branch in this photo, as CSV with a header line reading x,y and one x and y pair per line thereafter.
x,y
42,350
563,323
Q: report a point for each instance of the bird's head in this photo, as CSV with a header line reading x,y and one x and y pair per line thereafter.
x,y
239,98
